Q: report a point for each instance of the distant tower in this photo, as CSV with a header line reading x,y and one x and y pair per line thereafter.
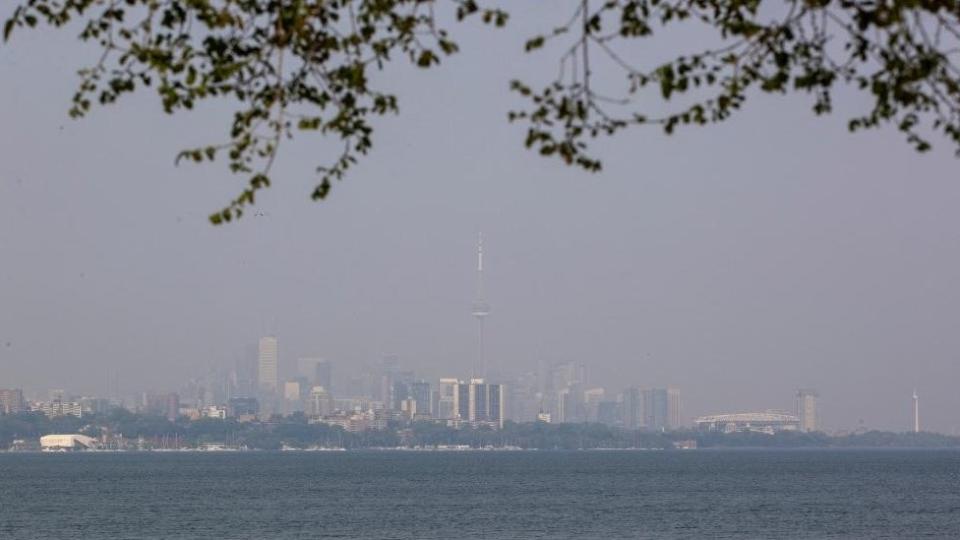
x,y
268,365
480,310
916,412
807,409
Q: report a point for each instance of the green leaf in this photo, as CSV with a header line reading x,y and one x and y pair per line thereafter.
x,y
534,43
8,26
426,58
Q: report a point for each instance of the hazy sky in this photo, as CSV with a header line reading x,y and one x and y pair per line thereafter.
x,y
736,262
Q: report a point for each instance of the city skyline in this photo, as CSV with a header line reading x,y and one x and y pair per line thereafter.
x,y
832,267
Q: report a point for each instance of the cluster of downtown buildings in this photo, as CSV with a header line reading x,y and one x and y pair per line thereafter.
x,y
253,390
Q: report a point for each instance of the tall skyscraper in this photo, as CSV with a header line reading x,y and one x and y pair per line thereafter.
x,y
479,402
480,310
807,409
420,392
632,408
661,409
268,365
446,398
317,371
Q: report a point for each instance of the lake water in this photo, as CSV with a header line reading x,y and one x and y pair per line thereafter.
x,y
492,495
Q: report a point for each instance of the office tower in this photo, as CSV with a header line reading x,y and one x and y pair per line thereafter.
x,y
565,406
316,371
916,412
446,398
409,407
268,366
399,392
807,409
11,401
165,405
524,399
480,310
420,392
246,369
292,396
479,399
632,408
461,401
321,402
496,404
661,409
243,406
608,413
480,402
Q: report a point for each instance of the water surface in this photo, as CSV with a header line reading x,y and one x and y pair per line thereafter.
x,y
493,495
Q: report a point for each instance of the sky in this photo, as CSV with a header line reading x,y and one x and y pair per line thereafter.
x,y
737,262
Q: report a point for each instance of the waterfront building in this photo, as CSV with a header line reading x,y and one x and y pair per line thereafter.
x,y
62,443
806,409
769,422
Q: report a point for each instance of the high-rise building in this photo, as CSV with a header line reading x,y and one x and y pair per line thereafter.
x,y
807,409
420,392
268,365
461,401
446,399
243,406
293,396
480,402
11,401
54,409
632,408
321,402
592,398
165,405
661,409
317,371
608,412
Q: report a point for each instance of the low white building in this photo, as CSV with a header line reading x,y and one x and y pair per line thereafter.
x,y
60,443
215,412
762,422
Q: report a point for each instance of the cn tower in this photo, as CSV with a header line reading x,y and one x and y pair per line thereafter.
x,y
480,310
